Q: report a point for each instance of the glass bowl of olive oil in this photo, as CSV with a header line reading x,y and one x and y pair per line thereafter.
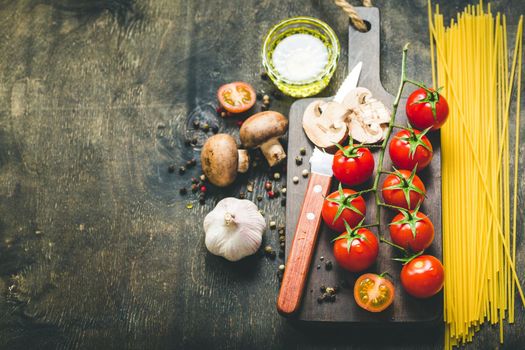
x,y
300,55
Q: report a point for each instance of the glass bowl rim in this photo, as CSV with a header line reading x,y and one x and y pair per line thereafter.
x,y
273,73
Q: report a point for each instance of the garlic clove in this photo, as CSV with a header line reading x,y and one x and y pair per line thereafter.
x,y
234,229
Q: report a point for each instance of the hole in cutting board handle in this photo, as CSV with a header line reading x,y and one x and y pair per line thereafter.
x,y
368,26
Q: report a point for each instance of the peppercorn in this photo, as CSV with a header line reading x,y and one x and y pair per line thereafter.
x,y
171,168
242,195
271,194
182,170
283,191
328,265
281,267
224,114
202,200
161,126
266,99
268,186
239,123
258,95
249,187
202,177
318,267
282,244
219,109
264,76
283,202
282,238
194,180
187,142
259,198
264,107
273,225
302,151
194,141
321,258
280,231
194,188
196,124
183,191
281,253
298,160
191,163
203,189
305,172
215,129
295,179
276,176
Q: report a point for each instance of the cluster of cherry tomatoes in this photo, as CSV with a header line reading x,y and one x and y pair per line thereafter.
x,y
356,248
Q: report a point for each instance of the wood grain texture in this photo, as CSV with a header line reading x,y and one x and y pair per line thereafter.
x,y
303,242
97,248
364,47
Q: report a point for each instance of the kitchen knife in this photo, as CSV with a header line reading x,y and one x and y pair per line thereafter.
x,y
307,228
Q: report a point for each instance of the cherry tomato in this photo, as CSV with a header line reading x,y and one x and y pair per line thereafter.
x,y
236,97
412,230
423,276
403,189
356,250
410,148
343,205
353,165
373,292
426,109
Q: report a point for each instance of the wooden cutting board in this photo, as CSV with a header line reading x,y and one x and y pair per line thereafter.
x,y
406,309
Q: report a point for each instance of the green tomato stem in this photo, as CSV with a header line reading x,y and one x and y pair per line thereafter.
x,y
387,136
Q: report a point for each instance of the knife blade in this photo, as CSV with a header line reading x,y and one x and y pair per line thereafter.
x,y
307,229
349,83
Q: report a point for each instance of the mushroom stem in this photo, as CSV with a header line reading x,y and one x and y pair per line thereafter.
x,y
229,218
273,151
244,161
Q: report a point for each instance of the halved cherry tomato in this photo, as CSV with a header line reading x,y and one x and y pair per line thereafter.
x,y
423,276
356,249
403,189
373,292
410,148
343,205
412,230
426,109
236,97
353,165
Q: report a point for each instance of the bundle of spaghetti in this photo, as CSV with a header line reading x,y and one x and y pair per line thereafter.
x,y
470,62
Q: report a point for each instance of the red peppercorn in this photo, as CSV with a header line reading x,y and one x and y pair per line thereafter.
x,y
219,109
239,123
203,188
268,186
271,194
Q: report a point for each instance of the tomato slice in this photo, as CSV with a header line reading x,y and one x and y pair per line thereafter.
x,y
236,97
373,292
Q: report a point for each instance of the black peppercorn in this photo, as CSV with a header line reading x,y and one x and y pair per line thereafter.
x,y
171,168
259,197
264,76
242,195
194,141
298,160
328,265
215,129
182,170
183,191
196,124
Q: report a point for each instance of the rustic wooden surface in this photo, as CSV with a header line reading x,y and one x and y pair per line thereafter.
x,y
97,248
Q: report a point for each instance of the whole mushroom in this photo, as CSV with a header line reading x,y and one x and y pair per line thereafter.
x,y
263,130
221,160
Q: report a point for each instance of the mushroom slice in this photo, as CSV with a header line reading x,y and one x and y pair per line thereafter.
x,y
324,123
369,117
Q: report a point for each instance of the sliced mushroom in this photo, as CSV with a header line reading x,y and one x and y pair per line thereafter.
x,y
369,117
263,130
325,123
221,160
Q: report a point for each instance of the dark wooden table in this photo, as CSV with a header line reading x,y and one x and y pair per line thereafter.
x,y
97,247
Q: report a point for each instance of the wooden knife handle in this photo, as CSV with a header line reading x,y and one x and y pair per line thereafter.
x,y
303,245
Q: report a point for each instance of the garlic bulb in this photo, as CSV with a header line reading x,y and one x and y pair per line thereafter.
x,y
234,229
